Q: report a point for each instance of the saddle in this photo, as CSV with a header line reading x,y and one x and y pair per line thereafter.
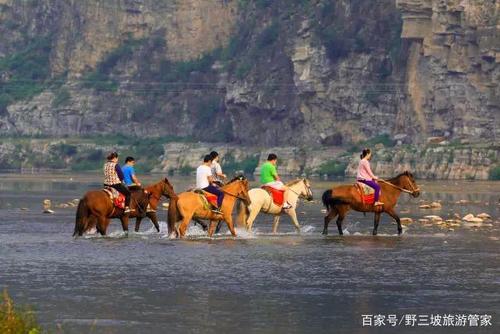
x,y
209,199
366,192
278,196
116,197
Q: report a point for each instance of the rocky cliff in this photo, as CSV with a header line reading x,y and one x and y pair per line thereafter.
x,y
318,75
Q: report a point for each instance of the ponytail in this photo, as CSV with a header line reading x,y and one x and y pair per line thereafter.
x,y
365,152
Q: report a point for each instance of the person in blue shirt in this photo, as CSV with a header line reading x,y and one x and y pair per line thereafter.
x,y
129,177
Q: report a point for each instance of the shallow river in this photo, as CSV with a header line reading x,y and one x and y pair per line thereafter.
x,y
255,283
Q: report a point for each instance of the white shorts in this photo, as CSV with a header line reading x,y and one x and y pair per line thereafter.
x,y
278,185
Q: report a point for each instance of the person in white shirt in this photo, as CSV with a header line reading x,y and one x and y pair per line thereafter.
x,y
217,173
205,181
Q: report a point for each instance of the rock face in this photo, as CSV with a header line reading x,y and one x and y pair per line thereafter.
x,y
315,75
452,70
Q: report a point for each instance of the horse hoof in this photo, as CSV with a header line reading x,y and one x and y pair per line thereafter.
x,y
400,231
374,232
324,232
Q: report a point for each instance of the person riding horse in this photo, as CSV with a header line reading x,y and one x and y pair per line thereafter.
x,y
129,177
217,173
366,176
269,177
113,178
205,181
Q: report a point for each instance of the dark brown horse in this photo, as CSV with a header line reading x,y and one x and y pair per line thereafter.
x,y
339,200
96,208
156,191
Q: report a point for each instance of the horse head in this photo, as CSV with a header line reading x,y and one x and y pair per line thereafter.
x,y
307,192
410,184
240,184
167,189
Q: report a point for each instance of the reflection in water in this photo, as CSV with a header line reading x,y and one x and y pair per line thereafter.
x,y
257,282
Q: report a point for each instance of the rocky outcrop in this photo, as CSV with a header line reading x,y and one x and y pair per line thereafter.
x,y
308,76
453,69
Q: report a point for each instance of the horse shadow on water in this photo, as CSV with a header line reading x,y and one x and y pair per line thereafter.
x,y
95,209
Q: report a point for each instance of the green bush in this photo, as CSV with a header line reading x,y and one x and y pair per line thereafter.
x,y
17,320
268,36
62,97
333,168
495,173
248,165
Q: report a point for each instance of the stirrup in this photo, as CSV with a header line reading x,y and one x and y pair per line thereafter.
x,y
127,210
378,204
217,211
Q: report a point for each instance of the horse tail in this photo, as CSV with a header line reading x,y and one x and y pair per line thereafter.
x,y
173,214
242,214
329,200
81,218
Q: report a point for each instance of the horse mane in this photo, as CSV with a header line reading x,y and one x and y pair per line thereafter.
x,y
396,178
294,182
237,178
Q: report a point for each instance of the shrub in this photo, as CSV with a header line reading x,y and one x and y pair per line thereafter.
x,y
268,36
248,165
333,168
16,320
494,173
62,97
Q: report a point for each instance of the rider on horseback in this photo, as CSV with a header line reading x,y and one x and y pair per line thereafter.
x,y
206,182
269,176
113,177
366,176
219,177
129,177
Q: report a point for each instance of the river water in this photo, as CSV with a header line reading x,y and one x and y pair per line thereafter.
x,y
255,283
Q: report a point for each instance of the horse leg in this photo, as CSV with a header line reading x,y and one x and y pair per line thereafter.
x,y
101,225
293,214
137,223
219,226
211,228
154,219
276,223
376,222
229,221
203,225
394,215
331,214
124,220
184,225
254,211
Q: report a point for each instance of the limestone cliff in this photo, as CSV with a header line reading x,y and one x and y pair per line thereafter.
x,y
318,75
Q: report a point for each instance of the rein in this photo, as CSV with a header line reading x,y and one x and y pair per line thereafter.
x,y
397,187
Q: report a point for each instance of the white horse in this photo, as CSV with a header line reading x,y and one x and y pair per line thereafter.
x,y
262,201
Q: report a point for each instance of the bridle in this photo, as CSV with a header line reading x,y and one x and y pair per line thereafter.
x,y
411,192
233,195
308,188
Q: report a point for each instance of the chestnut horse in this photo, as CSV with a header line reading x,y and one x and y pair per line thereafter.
x,y
189,205
339,200
156,191
96,208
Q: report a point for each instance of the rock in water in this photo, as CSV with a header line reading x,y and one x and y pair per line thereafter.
x,y
425,206
406,221
435,205
434,218
47,205
484,216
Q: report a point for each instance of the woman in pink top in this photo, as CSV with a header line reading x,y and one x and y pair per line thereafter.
x,y
365,174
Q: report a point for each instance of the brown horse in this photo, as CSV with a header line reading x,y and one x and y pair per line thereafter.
x,y
190,205
96,208
339,200
156,191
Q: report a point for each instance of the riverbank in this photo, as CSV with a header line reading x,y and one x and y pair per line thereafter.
x,y
180,156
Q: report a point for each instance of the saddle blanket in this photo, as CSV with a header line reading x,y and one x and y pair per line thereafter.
x,y
209,198
116,197
278,196
366,192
